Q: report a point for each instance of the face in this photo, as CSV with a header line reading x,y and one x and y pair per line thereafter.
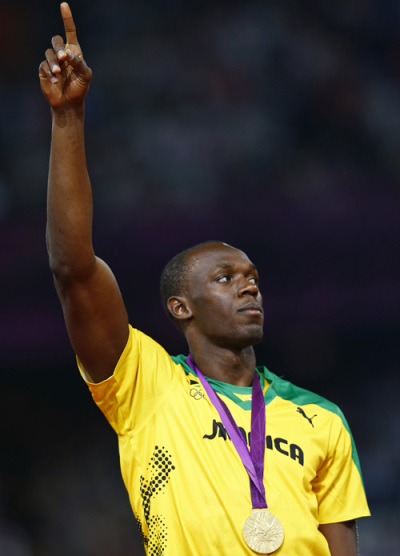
x,y
223,296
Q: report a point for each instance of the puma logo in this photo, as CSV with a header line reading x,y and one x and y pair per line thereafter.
x,y
309,419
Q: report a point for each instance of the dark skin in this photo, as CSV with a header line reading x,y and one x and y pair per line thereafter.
x,y
220,315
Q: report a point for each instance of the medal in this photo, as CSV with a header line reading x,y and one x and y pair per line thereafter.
x,y
262,531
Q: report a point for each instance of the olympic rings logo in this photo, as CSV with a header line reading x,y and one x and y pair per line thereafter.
x,y
196,393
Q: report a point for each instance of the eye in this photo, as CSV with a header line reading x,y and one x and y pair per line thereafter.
x,y
223,278
253,280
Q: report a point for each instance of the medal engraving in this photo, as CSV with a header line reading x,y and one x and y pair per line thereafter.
x,y
262,531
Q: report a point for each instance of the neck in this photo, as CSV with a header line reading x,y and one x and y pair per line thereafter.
x,y
227,365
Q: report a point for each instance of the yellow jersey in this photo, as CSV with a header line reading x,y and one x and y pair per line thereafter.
x,y
188,488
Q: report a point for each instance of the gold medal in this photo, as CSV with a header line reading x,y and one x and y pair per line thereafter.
x,y
262,531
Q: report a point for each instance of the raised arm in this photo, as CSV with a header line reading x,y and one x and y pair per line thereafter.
x,y
93,307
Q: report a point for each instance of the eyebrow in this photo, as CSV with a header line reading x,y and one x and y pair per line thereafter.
x,y
230,265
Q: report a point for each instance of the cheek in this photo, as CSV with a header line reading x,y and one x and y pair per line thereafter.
x,y
214,311
222,317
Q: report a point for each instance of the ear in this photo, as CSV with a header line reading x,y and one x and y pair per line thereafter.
x,y
179,308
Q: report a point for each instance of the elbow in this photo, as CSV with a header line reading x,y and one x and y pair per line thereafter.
x,y
71,269
71,261
62,271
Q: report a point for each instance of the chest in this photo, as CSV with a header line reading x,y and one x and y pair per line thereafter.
x,y
295,445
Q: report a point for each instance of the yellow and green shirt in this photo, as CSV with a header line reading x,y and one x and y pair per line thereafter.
x,y
188,488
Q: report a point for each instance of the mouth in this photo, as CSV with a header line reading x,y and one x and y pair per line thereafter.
x,y
251,309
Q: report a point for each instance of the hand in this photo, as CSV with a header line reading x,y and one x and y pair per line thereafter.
x,y
64,75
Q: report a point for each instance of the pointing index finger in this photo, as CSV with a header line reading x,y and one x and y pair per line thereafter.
x,y
69,25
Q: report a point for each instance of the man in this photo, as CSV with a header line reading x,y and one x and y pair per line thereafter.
x,y
184,455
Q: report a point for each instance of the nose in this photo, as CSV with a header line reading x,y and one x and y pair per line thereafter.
x,y
247,287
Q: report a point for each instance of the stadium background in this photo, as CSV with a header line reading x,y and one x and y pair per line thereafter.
x,y
274,126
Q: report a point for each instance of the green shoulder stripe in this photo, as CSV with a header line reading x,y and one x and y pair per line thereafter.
x,y
299,396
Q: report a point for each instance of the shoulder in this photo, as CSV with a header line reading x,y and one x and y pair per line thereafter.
x,y
290,392
142,359
331,423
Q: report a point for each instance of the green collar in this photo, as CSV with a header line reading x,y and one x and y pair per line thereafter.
x,y
230,390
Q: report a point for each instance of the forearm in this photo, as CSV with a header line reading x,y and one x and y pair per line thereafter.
x,y
69,200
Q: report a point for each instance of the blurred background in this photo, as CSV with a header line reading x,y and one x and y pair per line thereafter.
x,y
274,126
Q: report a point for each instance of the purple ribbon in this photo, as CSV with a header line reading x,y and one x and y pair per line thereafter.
x,y
253,460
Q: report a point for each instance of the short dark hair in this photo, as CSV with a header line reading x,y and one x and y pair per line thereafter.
x,y
174,277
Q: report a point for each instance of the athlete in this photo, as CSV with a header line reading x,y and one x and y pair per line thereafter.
x,y
184,424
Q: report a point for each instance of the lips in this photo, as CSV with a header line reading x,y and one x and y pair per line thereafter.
x,y
251,309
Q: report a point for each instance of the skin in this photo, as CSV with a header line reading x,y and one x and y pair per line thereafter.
x,y
220,315
342,538
93,307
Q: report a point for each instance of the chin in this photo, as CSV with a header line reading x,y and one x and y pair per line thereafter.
x,y
257,338
250,337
